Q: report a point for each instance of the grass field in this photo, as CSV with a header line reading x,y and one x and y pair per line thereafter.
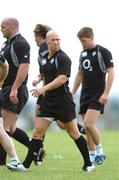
x,y
63,161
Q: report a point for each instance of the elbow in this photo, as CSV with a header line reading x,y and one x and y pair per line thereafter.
x,y
111,73
24,66
63,79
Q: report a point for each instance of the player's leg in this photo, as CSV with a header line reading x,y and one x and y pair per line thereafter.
x,y
81,128
80,142
93,138
8,145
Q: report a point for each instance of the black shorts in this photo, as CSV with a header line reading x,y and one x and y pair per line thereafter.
x,y
22,97
58,107
89,100
39,100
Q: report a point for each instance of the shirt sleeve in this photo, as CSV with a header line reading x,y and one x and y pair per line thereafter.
x,y
64,65
22,50
107,57
80,63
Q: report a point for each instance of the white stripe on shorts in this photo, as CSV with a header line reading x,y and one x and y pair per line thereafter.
x,y
49,118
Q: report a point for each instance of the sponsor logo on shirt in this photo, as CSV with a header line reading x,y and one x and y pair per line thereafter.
x,y
25,56
84,54
52,61
93,53
43,62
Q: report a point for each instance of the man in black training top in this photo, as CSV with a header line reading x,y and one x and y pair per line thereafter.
x,y
16,51
95,63
40,32
57,103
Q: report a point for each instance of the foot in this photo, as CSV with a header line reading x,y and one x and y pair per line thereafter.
x,y
88,168
99,159
41,154
14,165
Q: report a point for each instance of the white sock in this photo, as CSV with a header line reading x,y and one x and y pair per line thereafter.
x,y
92,155
99,149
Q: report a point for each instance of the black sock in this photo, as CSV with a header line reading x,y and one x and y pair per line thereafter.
x,y
81,129
3,154
43,138
82,146
21,137
34,147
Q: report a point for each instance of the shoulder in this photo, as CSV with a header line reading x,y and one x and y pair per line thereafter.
x,y
43,49
104,50
63,55
20,41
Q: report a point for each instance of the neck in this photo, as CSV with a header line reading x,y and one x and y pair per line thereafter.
x,y
41,41
12,35
50,54
93,45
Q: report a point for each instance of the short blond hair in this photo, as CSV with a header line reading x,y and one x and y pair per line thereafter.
x,y
85,32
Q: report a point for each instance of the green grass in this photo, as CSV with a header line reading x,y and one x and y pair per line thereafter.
x,y
69,166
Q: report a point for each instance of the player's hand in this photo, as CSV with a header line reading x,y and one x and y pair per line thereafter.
x,y
13,96
37,91
34,83
103,99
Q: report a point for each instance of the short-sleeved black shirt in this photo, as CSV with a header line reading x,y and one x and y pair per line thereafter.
x,y
2,59
93,77
59,64
43,51
22,53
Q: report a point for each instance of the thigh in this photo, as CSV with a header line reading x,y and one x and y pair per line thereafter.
x,y
70,125
89,100
72,129
37,108
91,116
9,120
60,124
22,97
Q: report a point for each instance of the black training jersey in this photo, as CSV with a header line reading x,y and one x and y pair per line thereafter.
x,y
58,64
16,51
93,77
43,51
2,59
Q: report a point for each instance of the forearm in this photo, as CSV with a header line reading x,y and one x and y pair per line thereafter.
x,y
109,82
59,81
77,82
21,75
39,78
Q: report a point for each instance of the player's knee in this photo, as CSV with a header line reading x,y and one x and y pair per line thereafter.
x,y
87,125
74,134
